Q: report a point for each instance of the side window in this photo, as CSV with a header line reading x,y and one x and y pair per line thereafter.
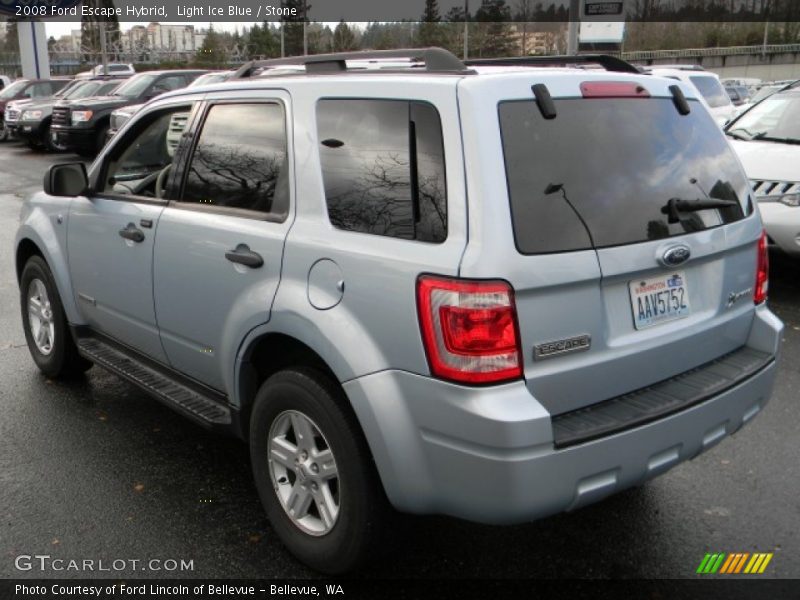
x,y
167,84
38,90
383,167
240,160
141,162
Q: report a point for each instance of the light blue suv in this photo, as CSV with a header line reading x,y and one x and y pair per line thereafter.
x,y
495,290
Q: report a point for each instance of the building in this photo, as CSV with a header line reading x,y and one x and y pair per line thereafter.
x,y
532,40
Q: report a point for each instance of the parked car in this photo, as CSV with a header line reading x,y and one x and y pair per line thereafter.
x,y
738,95
5,81
83,127
710,90
121,116
432,288
763,92
767,140
115,69
31,122
29,89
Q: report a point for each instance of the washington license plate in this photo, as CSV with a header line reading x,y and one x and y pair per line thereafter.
x,y
659,299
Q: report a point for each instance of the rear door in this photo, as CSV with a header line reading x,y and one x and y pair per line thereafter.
x,y
220,242
616,288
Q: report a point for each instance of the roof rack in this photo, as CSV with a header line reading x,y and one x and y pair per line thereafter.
x,y
435,60
609,63
676,67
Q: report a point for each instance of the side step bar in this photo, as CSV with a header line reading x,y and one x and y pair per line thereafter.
x,y
188,399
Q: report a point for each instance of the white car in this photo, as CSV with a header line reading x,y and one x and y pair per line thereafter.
x,y
711,92
767,140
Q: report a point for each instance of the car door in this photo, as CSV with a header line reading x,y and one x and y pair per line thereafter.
x,y
220,242
111,233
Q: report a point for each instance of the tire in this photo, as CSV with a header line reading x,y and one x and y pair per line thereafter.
x,y
53,350
3,133
346,539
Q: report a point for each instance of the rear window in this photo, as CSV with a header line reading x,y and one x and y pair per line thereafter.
x,y
601,172
712,90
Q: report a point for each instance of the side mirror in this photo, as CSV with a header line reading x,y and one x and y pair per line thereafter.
x,y
68,180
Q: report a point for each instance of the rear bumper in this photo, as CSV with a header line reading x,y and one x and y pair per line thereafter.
x,y
487,454
783,225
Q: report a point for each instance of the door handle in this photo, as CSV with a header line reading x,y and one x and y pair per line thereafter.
x,y
242,255
132,233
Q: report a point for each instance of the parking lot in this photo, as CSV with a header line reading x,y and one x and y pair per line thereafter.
x,y
95,469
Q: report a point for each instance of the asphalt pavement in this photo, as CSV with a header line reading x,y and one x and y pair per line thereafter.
x,y
97,470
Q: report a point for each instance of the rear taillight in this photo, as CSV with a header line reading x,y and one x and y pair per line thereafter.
x,y
762,271
469,329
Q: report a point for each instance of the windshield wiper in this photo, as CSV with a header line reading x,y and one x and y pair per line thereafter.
x,y
738,136
763,137
675,206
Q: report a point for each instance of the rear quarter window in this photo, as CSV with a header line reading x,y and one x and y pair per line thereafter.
x,y
383,167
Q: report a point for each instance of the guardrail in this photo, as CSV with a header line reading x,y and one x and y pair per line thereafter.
x,y
702,52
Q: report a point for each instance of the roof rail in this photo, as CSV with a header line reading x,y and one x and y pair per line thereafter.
x,y
609,63
436,60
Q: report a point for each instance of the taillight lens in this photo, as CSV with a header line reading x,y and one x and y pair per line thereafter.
x,y
762,271
613,89
469,329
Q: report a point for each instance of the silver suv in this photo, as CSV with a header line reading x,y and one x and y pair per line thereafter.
x,y
495,290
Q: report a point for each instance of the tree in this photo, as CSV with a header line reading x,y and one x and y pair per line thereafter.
x,y
525,12
11,41
262,41
90,29
343,38
212,52
494,32
293,26
431,31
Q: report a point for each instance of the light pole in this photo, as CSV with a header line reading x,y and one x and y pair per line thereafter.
x,y
574,25
466,29
103,49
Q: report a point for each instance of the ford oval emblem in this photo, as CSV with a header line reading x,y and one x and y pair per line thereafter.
x,y
677,255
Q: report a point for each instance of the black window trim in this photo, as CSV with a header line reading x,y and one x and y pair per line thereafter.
x,y
410,101
188,153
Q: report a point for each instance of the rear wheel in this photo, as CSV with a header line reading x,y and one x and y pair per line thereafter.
x,y
314,472
46,330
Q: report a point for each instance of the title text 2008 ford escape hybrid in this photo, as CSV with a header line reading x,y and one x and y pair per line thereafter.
x,y
496,291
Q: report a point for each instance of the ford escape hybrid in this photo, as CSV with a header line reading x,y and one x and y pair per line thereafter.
x,y
495,290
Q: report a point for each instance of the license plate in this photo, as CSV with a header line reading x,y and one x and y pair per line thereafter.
x,y
659,299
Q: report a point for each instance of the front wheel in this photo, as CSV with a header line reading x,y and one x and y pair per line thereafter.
x,y
46,330
314,473
3,133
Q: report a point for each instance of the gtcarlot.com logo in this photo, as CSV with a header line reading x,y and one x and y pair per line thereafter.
x,y
44,562
735,563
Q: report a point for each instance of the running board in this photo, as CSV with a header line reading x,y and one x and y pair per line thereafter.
x,y
187,399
